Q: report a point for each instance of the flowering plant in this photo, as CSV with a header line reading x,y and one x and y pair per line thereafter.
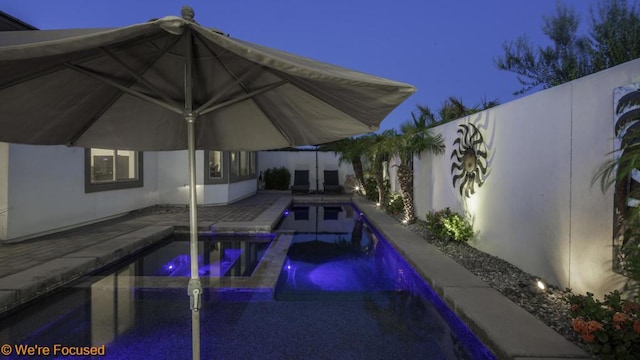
x,y
611,328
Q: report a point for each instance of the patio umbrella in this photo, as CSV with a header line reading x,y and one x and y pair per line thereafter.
x,y
171,84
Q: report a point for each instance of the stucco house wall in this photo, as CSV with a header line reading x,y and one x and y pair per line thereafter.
x,y
45,191
42,189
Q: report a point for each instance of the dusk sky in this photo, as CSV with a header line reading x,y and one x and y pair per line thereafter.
x,y
443,47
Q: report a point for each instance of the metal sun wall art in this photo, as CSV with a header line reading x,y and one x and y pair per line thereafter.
x,y
626,122
469,167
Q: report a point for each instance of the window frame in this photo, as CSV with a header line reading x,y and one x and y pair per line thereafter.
x,y
91,187
227,176
224,179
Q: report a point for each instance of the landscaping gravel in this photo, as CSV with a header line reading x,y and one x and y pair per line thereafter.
x,y
551,306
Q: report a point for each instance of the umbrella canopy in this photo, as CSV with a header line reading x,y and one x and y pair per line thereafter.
x,y
171,84
125,89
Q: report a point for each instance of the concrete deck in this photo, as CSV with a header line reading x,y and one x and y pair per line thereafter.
x,y
32,268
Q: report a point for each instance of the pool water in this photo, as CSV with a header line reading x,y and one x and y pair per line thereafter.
x,y
332,250
148,324
356,298
219,256
337,255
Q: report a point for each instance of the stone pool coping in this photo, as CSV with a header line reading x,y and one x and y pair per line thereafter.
x,y
508,330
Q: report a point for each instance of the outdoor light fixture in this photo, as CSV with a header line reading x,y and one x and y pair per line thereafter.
x,y
378,204
357,188
538,287
405,221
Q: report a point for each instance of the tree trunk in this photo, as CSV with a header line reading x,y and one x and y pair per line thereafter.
x,y
405,179
378,175
359,171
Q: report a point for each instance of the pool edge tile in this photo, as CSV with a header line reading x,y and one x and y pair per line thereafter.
x,y
462,291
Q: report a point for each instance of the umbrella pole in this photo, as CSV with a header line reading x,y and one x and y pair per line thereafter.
x,y
195,287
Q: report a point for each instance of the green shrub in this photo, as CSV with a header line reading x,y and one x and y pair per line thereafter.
x,y
448,225
371,188
611,328
395,206
277,178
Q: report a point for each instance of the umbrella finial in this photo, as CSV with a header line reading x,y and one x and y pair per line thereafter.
x,y
187,13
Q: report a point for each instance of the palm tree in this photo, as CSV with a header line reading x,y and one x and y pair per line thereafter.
x,y
351,151
379,149
488,104
453,108
415,138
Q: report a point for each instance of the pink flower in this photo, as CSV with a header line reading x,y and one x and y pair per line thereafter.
x,y
620,317
578,325
589,338
630,307
593,326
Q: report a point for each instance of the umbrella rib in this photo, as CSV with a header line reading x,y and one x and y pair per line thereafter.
x,y
59,67
77,135
125,89
242,97
224,91
245,88
140,78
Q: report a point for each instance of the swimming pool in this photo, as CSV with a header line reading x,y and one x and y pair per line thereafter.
x,y
337,255
396,316
218,256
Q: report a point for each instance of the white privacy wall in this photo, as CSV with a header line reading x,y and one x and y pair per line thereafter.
x,y
537,208
305,160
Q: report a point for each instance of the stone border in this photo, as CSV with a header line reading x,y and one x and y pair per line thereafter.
x,y
507,329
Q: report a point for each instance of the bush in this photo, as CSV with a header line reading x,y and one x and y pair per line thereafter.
x,y
448,225
611,328
277,178
371,188
395,206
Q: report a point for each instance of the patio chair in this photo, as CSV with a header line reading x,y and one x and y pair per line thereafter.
x,y
300,182
332,183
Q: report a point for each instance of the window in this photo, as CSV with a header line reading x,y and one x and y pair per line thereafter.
x,y
243,165
235,161
107,169
215,164
228,167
